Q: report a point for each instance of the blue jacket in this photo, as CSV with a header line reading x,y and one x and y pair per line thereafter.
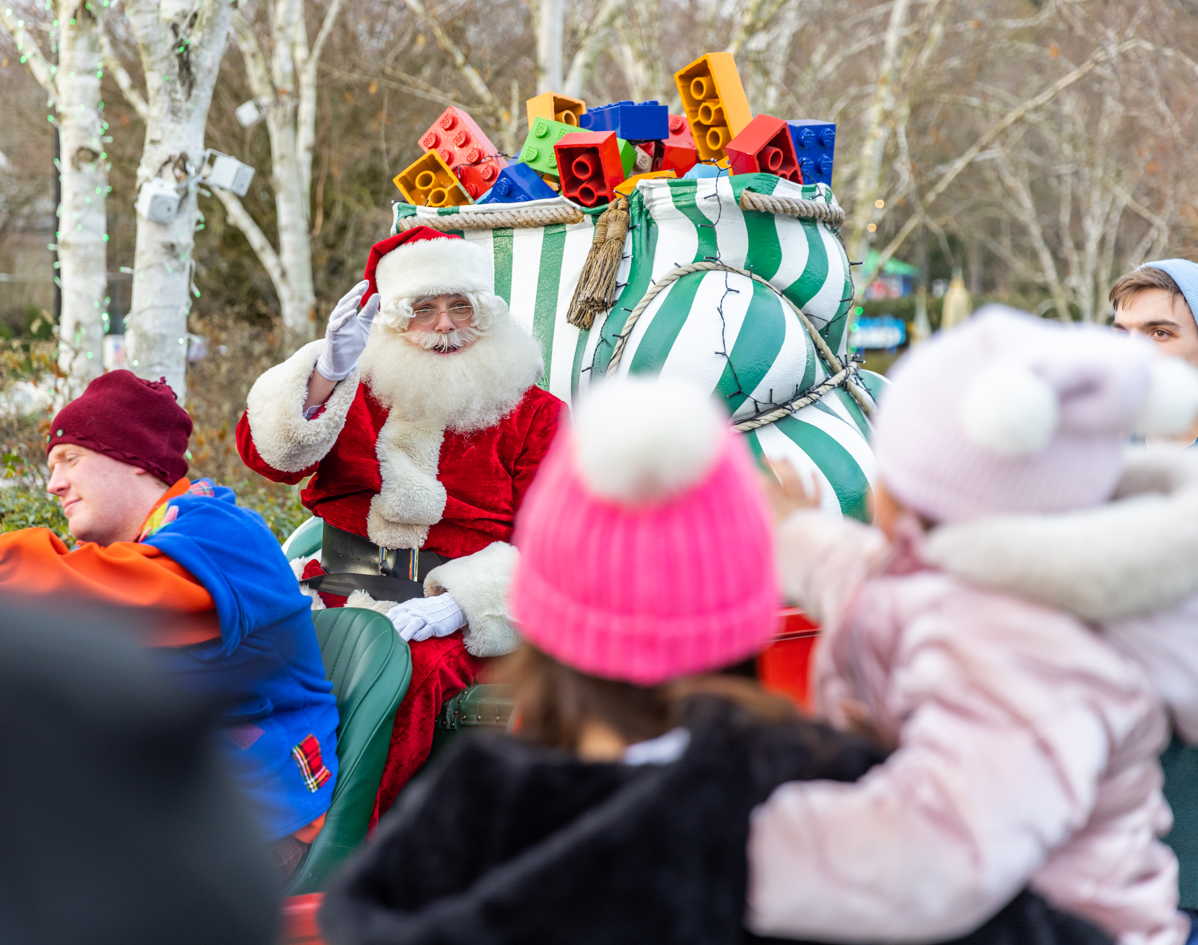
x,y
265,669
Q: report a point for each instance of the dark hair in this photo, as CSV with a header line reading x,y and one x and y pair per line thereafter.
x,y
556,701
1145,277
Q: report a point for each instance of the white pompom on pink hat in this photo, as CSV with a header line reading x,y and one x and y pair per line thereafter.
x,y
1010,413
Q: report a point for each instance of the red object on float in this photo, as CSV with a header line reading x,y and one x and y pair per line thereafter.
x,y
589,166
298,925
765,146
785,665
467,150
676,153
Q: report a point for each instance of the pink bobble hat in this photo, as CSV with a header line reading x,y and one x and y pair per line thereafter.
x,y
1010,413
646,550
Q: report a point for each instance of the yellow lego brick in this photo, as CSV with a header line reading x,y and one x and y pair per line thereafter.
x,y
629,185
555,107
714,102
428,182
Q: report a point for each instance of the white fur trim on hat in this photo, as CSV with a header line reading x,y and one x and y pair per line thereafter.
x,y
1172,401
442,266
642,439
1009,410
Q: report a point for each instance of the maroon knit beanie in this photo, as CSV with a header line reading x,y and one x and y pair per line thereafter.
x,y
130,419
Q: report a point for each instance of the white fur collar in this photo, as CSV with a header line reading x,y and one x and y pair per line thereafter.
x,y
470,390
411,498
1135,555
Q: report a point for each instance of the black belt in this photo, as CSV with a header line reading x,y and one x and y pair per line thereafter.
x,y
356,563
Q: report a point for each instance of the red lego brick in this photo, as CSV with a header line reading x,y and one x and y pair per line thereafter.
x,y
766,146
677,152
589,165
462,145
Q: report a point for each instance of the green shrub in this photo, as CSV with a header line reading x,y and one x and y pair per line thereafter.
x,y
23,506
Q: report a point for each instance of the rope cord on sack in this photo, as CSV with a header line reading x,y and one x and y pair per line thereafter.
x,y
514,218
845,374
792,207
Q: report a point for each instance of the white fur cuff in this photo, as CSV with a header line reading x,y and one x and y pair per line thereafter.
x,y
480,583
275,407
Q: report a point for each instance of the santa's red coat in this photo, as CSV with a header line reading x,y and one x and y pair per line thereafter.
x,y
485,473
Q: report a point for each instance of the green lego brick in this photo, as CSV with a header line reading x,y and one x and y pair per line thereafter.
x,y
537,152
627,156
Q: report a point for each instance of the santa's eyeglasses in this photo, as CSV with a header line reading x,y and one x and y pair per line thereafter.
x,y
427,314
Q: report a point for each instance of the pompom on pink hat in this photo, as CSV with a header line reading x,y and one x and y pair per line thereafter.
x,y
646,551
1010,413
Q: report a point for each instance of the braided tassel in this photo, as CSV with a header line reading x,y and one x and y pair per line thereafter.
x,y
596,290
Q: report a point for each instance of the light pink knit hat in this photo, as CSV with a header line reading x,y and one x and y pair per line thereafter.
x,y
646,551
1011,413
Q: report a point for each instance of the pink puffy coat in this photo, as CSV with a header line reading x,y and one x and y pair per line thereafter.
x,y
1026,743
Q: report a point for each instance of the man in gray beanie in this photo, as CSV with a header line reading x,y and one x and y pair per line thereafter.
x,y
1159,300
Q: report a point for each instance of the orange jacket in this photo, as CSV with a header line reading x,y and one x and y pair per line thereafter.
x,y
36,562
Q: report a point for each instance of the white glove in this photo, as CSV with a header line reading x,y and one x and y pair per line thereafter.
x,y
346,335
423,617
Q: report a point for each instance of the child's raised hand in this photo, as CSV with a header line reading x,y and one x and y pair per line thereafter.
x,y
787,491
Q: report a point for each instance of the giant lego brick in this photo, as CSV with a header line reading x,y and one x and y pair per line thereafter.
x,y
516,183
626,188
677,152
714,102
554,107
815,146
632,121
589,166
765,146
465,149
428,182
537,152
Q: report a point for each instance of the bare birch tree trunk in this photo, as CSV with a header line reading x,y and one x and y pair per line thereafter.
x,y
181,46
285,87
74,89
550,30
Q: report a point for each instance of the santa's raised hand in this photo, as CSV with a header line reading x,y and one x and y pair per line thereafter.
x,y
345,337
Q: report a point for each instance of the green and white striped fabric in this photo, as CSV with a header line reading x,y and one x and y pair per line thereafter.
x,y
721,329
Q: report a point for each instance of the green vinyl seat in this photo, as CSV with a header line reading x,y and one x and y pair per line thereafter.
x,y
370,668
305,540
481,707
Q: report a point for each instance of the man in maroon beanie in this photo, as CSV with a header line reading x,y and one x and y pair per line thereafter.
x,y
234,626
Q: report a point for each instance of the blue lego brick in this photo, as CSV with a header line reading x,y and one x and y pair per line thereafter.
x,y
705,170
647,121
517,183
815,144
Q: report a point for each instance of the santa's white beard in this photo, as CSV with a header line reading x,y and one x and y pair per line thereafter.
x,y
469,389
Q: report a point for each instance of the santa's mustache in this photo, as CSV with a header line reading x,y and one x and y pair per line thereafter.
x,y
444,341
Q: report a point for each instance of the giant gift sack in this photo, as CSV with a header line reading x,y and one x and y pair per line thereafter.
x,y
713,272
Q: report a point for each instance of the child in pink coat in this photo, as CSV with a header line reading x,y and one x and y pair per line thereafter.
x,y
1013,626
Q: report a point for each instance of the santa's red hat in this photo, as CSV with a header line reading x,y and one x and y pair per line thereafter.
x,y
421,262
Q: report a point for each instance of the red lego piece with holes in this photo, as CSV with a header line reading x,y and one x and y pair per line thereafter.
x,y
677,152
466,149
765,146
589,165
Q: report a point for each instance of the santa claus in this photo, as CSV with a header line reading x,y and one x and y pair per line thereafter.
x,y
420,423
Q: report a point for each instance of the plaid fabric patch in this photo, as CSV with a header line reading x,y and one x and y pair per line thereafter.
x,y
202,487
307,756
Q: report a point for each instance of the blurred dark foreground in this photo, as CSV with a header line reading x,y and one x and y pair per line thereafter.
x,y
117,824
